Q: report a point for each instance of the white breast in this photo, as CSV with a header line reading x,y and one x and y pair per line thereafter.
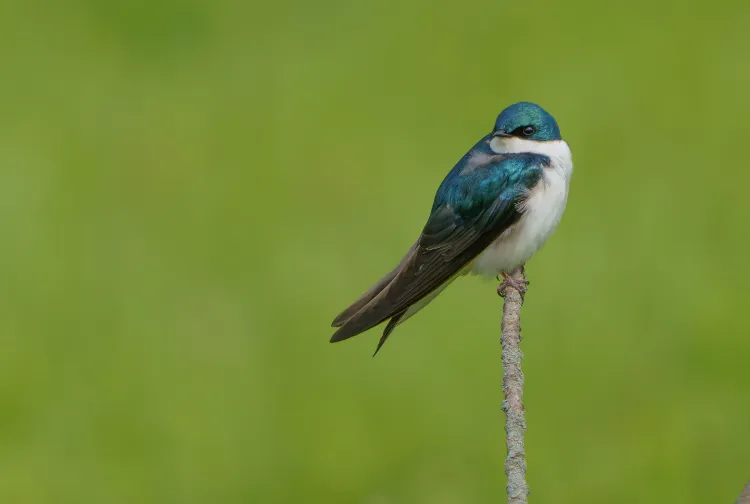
x,y
542,209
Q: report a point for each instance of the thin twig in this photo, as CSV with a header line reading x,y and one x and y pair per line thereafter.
x,y
515,422
745,497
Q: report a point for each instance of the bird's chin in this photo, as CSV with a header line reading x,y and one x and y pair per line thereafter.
x,y
513,145
497,145
504,144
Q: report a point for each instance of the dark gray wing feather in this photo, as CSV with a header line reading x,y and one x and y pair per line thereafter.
x,y
373,291
442,251
472,208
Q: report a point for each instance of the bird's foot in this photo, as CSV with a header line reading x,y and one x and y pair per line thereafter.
x,y
520,284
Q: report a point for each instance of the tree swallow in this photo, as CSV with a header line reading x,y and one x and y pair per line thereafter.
x,y
491,213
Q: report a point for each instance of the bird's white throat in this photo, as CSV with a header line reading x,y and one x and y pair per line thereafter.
x,y
542,207
557,150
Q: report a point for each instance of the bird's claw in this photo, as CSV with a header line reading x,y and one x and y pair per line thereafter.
x,y
519,284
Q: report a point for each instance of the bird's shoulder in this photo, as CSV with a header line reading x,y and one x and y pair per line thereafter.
x,y
482,175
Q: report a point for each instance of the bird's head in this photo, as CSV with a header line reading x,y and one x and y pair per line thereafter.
x,y
527,121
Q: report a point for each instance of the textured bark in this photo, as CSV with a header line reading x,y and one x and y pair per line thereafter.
x,y
515,422
745,497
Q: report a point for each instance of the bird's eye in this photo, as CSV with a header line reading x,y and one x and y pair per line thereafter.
x,y
529,130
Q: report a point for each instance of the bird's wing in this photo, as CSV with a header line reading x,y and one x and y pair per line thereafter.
x,y
373,291
474,205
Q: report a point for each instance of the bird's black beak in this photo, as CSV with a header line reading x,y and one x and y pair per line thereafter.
x,y
500,133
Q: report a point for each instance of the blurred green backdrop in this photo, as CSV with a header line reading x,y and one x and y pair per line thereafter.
x,y
190,191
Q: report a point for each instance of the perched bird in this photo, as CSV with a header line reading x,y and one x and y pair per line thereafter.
x,y
491,213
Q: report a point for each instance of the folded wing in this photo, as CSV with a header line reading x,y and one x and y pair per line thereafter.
x,y
474,205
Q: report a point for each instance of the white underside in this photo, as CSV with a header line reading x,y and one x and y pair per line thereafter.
x,y
542,209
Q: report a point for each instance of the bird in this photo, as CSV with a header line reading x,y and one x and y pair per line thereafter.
x,y
494,210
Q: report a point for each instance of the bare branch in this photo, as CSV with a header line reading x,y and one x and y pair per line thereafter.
x,y
745,497
513,290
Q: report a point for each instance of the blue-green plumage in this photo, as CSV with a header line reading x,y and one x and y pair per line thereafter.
x,y
476,202
470,186
523,114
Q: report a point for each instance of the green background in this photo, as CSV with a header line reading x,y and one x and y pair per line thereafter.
x,y
191,191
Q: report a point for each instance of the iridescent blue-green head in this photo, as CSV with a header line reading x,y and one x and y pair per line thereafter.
x,y
526,120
